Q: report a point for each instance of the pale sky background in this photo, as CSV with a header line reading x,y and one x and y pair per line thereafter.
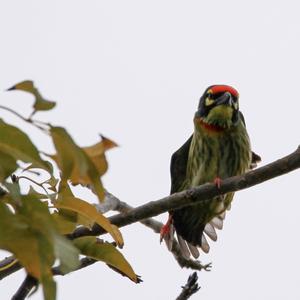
x,y
134,71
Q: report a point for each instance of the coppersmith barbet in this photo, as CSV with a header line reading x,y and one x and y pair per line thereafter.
x,y
218,148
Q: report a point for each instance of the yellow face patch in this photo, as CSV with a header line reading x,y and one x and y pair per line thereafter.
x,y
221,112
209,101
220,115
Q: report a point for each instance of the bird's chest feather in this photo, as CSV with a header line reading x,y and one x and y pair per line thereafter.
x,y
217,154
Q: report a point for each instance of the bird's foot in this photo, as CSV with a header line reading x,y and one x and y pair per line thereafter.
x,y
165,230
218,182
207,267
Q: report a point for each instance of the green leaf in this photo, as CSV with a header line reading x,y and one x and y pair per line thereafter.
x,y
42,222
65,223
67,254
7,165
30,233
16,144
40,102
74,162
17,237
90,212
94,248
49,287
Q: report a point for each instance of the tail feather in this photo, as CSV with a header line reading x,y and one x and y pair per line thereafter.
x,y
183,247
204,244
194,250
217,223
210,231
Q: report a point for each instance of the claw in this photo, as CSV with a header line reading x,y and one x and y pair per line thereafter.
x,y
218,182
165,230
207,267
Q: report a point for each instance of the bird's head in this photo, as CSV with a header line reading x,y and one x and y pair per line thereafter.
x,y
218,107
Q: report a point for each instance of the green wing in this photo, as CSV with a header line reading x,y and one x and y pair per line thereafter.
x,y
255,158
178,166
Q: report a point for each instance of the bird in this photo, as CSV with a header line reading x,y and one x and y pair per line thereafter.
x,y
218,148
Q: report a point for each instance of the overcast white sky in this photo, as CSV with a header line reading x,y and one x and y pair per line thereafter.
x,y
134,71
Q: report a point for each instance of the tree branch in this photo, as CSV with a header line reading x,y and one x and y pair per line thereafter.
x,y
30,282
190,288
189,197
8,266
113,203
27,285
198,194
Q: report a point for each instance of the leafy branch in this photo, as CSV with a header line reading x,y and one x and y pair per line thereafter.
x,y
41,229
192,196
33,226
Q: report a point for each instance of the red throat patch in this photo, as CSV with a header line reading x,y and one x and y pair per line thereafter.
x,y
224,88
209,127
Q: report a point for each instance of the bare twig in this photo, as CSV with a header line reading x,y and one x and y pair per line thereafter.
x,y
190,288
28,120
8,266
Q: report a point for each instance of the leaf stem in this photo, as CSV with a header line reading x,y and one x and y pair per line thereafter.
x,y
28,120
37,183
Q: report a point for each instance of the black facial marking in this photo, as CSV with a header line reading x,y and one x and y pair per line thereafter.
x,y
203,109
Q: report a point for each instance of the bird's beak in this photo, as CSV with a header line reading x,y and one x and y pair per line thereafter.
x,y
225,99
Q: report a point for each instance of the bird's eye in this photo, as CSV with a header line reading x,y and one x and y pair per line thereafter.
x,y
209,101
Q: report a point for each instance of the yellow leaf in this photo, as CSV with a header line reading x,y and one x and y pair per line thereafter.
x,y
94,248
118,234
74,163
97,153
90,212
40,103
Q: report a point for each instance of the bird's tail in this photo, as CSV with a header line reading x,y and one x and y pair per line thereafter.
x,y
193,235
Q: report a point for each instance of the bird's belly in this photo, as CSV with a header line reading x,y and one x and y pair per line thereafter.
x,y
223,158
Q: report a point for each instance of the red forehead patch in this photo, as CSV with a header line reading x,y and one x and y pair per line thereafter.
x,y
224,88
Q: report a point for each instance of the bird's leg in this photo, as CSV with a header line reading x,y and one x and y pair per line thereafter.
x,y
165,230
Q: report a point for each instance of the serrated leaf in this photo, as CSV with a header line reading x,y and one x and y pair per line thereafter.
x,y
90,212
74,162
107,253
40,102
16,143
